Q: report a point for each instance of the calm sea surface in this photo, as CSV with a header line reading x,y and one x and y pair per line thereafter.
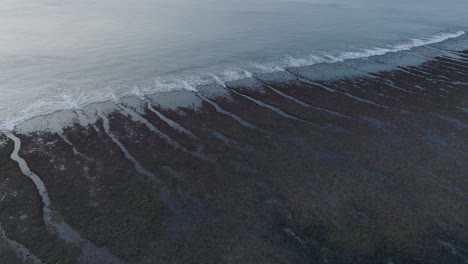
x,y
62,54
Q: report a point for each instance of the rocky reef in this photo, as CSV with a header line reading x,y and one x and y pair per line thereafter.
x,y
346,163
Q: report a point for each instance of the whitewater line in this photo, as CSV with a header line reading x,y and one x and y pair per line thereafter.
x,y
285,95
367,53
20,249
136,117
64,231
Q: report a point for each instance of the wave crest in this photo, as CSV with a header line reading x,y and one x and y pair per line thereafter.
x,y
79,99
291,62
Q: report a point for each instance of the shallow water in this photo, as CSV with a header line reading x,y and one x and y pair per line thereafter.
x,y
65,54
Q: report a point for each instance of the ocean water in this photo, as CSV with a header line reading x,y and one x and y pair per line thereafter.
x,y
64,54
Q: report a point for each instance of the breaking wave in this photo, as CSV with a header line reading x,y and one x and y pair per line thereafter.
x,y
80,99
291,62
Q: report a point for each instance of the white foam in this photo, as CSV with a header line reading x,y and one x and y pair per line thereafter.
x,y
112,95
78,99
268,67
136,91
309,60
217,80
175,85
301,62
413,43
235,74
231,75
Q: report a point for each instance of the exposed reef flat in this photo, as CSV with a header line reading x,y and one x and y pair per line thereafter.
x,y
363,161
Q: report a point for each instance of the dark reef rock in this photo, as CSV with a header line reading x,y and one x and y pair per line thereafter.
x,y
364,169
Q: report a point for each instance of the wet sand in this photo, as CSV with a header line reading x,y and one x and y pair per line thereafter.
x,y
295,168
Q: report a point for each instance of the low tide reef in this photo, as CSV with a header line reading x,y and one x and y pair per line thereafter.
x,y
297,167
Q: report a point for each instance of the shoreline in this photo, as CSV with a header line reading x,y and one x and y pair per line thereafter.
x,y
294,167
418,50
